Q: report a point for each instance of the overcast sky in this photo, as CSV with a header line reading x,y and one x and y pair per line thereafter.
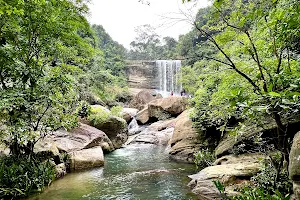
x,y
119,17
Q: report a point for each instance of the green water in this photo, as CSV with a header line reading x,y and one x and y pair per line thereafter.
x,y
134,172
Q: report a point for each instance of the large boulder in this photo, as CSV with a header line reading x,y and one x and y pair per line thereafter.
x,y
185,140
155,137
128,113
86,158
158,133
144,97
47,149
161,125
166,108
205,190
115,128
294,165
228,170
82,137
143,116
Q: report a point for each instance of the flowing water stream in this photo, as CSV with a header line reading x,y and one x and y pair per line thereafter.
x,y
135,172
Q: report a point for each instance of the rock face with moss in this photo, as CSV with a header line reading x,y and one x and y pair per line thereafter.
x,y
185,140
294,165
115,128
110,123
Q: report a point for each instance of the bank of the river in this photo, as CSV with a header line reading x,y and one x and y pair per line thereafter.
x,y
134,172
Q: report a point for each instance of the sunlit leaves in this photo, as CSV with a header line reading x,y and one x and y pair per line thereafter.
x,y
40,51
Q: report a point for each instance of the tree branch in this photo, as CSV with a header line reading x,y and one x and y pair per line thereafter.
x,y
231,63
257,60
40,118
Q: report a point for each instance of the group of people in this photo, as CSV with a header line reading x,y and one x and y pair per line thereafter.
x,y
182,93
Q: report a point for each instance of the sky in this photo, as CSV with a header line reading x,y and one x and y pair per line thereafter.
x,y
120,17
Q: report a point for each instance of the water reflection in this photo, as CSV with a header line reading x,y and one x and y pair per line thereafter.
x,y
135,172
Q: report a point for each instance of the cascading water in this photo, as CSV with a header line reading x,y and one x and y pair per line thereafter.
x,y
133,127
168,75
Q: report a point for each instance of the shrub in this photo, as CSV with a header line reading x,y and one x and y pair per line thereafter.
x,y
116,111
21,176
272,179
249,193
98,115
204,158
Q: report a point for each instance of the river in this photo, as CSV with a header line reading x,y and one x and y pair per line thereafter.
x,y
135,172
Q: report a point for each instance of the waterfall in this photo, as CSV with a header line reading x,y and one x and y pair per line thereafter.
x,y
168,75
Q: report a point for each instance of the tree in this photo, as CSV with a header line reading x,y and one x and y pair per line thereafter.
x,y
146,45
44,43
251,72
169,48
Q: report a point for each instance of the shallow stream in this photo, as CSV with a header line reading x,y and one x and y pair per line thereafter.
x,y
135,172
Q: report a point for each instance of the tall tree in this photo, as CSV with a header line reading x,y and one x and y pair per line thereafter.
x,y
251,72
146,45
43,43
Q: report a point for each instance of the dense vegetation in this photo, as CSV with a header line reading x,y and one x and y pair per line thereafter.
x,y
243,57
148,45
241,65
51,59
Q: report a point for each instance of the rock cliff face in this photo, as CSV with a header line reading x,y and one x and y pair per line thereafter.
x,y
142,74
185,140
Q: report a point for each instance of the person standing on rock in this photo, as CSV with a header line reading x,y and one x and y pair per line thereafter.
x,y
172,93
182,93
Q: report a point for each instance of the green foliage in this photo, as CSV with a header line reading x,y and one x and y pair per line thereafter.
x,y
106,73
249,193
116,111
41,51
98,115
204,158
21,176
272,178
84,109
148,45
245,69
219,186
